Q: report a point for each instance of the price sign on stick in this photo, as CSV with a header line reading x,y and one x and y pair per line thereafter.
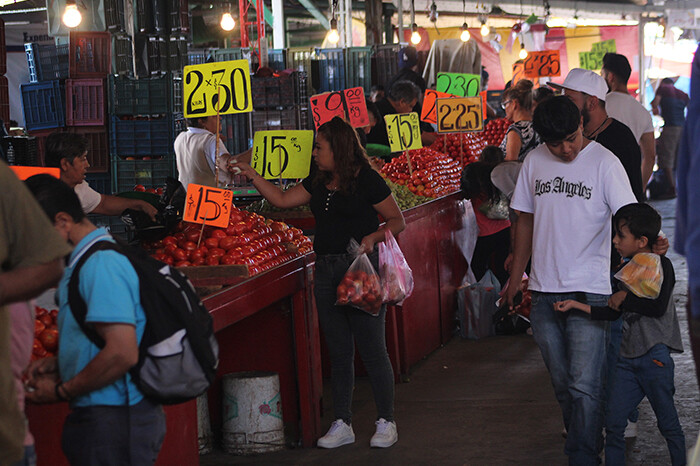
x,y
349,104
459,84
282,154
25,172
205,204
545,63
222,87
428,111
518,72
484,98
459,115
404,131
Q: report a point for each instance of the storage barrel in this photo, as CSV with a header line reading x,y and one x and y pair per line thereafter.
x,y
204,433
252,413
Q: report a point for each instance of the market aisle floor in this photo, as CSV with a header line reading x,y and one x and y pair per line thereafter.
x,y
488,402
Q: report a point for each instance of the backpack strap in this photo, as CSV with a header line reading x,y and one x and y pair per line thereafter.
x,y
75,300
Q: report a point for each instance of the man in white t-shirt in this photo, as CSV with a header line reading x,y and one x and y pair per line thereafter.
x,y
68,152
621,106
568,189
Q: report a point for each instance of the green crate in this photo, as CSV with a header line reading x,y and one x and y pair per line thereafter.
x,y
160,95
358,67
300,58
150,173
385,63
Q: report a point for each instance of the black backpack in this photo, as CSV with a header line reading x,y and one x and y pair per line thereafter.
x,y
178,354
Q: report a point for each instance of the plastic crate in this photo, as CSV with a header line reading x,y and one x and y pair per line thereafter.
x,y
157,51
331,69
144,138
235,54
150,173
47,62
144,16
304,120
177,52
277,59
235,130
44,104
114,15
299,58
5,101
25,149
147,96
178,16
85,102
196,56
272,91
283,119
100,182
122,55
98,147
40,136
112,223
3,49
358,67
385,63
90,54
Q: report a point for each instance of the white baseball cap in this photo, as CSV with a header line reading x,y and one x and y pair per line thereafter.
x,y
585,81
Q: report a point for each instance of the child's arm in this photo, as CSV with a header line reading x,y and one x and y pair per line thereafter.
x,y
566,305
596,312
653,307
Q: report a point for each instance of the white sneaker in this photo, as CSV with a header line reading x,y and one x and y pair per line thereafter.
x,y
386,434
338,435
631,430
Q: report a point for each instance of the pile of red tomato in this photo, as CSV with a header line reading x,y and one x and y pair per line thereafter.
x,y
472,145
142,189
434,174
495,131
248,240
45,333
362,290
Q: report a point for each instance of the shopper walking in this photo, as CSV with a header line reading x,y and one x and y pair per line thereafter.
x,y
568,189
520,138
345,195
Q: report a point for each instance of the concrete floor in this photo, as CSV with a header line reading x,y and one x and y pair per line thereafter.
x,y
489,402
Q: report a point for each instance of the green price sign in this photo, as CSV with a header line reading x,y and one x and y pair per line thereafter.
x,y
604,46
459,84
282,154
591,60
404,131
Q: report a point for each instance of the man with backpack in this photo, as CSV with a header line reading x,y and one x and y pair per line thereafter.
x,y
111,421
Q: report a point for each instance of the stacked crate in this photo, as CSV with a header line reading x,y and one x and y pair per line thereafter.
x,y
163,32
4,89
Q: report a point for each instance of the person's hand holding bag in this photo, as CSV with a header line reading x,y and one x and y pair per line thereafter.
x,y
360,287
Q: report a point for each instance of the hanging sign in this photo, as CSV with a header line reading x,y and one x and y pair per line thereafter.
x,y
349,104
544,63
459,84
205,204
593,60
605,46
404,131
25,172
518,73
221,87
428,111
282,154
459,115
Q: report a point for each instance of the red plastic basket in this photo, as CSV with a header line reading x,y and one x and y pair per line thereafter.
x,y
98,147
85,102
90,54
4,102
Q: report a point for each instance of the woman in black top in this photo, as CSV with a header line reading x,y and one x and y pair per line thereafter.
x,y
346,195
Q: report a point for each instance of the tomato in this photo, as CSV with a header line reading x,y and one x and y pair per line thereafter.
x,y
169,248
198,261
46,320
49,339
38,350
159,191
196,254
192,235
159,256
38,327
179,255
213,260
54,314
203,249
140,188
219,233
189,246
228,260
227,242
169,240
183,264
150,190
169,260
216,252
179,236
211,242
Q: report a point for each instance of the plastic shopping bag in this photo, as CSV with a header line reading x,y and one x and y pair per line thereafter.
x,y
396,276
476,305
643,275
360,287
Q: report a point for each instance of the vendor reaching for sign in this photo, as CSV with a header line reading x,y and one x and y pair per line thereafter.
x,y
196,154
345,194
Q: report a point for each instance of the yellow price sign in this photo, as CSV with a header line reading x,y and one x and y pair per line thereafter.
x,y
404,131
459,115
222,87
205,204
282,154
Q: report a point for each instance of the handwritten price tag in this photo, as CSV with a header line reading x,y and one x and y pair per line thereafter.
x,y
484,99
349,104
207,205
604,46
25,172
404,131
459,115
518,73
545,63
282,154
204,85
459,84
428,113
591,60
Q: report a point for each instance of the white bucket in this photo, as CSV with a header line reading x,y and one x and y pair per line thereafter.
x,y
252,417
204,434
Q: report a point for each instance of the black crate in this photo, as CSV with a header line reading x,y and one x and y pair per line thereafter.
x,y
100,182
114,15
277,59
177,52
385,63
47,62
279,119
178,16
122,55
151,55
235,129
24,148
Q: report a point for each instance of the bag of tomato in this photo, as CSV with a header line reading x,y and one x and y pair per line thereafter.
x,y
360,287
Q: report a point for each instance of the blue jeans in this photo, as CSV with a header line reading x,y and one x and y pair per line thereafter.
x,y
650,375
574,350
342,327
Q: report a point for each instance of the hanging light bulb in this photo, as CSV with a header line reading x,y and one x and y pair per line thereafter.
x,y
333,36
71,16
465,36
523,53
415,36
227,22
484,29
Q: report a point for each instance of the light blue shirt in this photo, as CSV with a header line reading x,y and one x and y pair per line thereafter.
x,y
110,287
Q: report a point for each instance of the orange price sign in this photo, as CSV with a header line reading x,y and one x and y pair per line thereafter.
x,y
483,104
25,172
428,113
544,63
518,73
205,204
349,104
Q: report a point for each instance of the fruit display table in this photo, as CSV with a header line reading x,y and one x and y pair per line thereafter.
x,y
264,323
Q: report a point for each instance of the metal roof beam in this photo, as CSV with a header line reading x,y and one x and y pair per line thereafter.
x,y
311,8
